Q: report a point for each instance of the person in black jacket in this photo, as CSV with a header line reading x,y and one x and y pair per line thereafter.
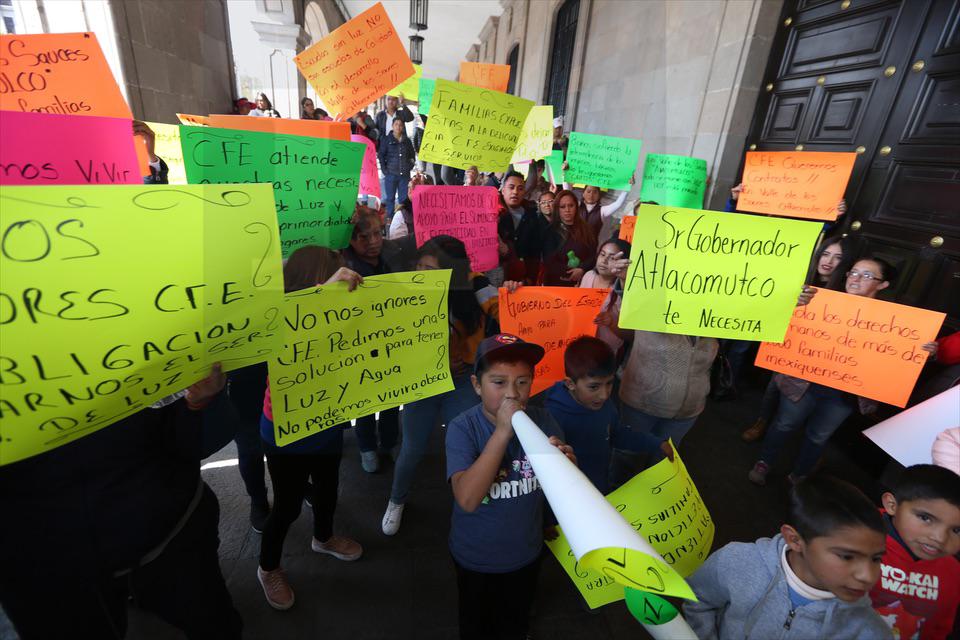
x,y
521,232
120,513
396,161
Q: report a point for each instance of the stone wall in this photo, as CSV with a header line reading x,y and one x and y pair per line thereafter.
x,y
175,56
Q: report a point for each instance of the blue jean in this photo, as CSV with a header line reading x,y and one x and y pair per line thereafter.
x,y
821,412
418,421
393,189
389,429
626,464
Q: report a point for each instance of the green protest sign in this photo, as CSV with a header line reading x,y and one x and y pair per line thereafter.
x,y
112,297
315,180
555,164
427,86
674,181
602,161
472,126
707,273
348,354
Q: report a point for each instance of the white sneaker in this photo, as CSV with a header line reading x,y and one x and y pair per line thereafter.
x,y
391,518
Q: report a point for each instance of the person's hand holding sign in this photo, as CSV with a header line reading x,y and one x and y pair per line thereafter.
x,y
931,349
201,393
149,138
806,296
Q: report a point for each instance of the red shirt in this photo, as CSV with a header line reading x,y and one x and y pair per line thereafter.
x,y
917,598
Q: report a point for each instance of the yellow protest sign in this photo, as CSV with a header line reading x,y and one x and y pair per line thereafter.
x,y
707,273
112,297
536,137
357,63
348,354
665,507
409,88
472,126
167,146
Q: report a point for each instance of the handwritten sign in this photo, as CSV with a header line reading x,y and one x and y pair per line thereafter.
x,y
626,228
44,149
536,137
674,181
664,506
705,273
310,128
799,184
466,213
409,88
315,180
357,63
553,317
143,288
166,144
369,178
554,163
427,87
58,73
350,354
868,347
602,161
192,120
472,126
485,75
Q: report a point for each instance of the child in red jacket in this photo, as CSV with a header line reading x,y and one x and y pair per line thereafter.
x,y
919,587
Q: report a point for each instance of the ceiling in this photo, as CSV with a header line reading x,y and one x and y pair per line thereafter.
x,y
453,26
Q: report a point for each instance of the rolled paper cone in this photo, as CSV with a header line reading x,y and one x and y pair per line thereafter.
x,y
676,629
598,535
660,618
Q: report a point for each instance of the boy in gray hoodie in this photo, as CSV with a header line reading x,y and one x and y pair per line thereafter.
x,y
810,581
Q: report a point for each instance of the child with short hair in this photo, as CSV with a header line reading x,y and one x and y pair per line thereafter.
x,y
581,405
496,530
810,581
919,587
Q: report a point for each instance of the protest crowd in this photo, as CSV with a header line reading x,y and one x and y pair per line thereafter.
x,y
401,260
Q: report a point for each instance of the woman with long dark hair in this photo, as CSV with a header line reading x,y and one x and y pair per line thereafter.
x,y
570,246
308,111
472,305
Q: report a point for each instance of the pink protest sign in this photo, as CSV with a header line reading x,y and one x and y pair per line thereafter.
x,y
41,148
466,213
369,178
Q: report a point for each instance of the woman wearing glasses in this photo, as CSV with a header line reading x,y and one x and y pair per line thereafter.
x,y
819,409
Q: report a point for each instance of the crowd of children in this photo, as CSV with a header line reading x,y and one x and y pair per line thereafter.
x,y
841,566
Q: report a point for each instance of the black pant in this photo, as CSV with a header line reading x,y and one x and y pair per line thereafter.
x,y
289,473
496,606
183,586
247,386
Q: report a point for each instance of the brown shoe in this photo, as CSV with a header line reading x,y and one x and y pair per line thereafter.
x,y
339,547
276,588
755,431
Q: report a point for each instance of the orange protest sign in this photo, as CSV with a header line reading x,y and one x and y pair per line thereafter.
x,y
194,121
552,317
487,76
868,347
797,184
64,73
357,63
313,128
626,228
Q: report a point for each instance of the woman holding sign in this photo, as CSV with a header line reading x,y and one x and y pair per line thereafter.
x,y
819,409
570,246
473,304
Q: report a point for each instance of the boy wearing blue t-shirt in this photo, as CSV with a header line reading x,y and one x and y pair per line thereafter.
x,y
581,405
496,531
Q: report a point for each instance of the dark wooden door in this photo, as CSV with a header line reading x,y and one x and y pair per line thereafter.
x,y
881,78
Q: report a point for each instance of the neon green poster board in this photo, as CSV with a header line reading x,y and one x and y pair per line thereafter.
x,y
472,126
665,507
409,88
348,354
315,180
555,165
116,296
427,86
674,181
602,161
536,137
707,273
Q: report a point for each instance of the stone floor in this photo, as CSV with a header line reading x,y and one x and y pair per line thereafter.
x,y
404,587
